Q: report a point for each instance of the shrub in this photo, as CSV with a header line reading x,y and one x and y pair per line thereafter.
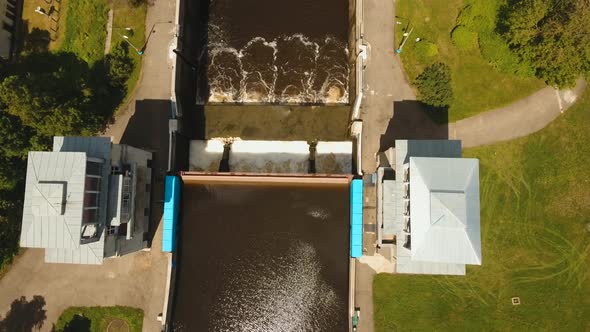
x,y
434,85
120,64
495,49
478,16
425,49
463,38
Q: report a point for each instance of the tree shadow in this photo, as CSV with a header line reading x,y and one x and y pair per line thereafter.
x,y
37,41
415,120
78,323
24,315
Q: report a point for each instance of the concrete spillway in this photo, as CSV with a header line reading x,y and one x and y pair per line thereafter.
x,y
277,157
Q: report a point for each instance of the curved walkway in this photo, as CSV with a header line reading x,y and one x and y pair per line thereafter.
x,y
518,119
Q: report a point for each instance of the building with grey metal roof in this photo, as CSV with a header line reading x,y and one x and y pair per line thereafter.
x,y
428,207
73,210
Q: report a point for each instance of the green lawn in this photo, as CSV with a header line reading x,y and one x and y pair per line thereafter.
x,y
535,210
85,32
100,317
477,85
32,20
133,17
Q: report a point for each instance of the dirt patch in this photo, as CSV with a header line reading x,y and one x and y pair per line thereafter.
x,y
118,325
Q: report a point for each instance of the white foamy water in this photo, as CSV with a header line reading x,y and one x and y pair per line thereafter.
x,y
288,69
291,297
319,213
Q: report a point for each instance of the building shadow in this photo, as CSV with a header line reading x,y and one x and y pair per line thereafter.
x,y
148,129
415,120
192,86
24,315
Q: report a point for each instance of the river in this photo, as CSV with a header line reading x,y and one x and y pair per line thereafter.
x,y
262,258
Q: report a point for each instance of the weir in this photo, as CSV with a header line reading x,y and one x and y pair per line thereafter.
x,y
287,52
271,157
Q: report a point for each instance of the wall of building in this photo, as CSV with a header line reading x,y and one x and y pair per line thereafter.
x,y
10,14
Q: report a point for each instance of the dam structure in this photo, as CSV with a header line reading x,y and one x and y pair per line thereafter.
x,y
262,237
263,202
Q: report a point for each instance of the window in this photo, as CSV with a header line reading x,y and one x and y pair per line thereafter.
x,y
92,184
126,199
93,168
90,200
112,230
89,232
90,216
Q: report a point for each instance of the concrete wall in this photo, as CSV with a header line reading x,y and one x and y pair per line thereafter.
x,y
334,158
205,156
352,37
269,157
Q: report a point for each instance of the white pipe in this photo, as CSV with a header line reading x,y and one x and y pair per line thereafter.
x,y
357,106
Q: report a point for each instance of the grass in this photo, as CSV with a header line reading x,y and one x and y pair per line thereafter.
x,y
85,35
85,32
535,207
477,85
32,20
100,317
6,263
133,17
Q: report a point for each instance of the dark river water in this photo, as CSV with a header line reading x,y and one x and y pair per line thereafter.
x,y
278,51
260,258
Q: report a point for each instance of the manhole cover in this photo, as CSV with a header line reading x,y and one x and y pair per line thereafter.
x,y
118,325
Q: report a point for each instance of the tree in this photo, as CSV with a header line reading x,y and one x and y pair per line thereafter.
x,y
52,94
14,136
39,109
553,36
434,85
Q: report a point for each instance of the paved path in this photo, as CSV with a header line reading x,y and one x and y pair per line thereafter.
x,y
385,83
137,280
518,119
364,296
154,88
382,90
